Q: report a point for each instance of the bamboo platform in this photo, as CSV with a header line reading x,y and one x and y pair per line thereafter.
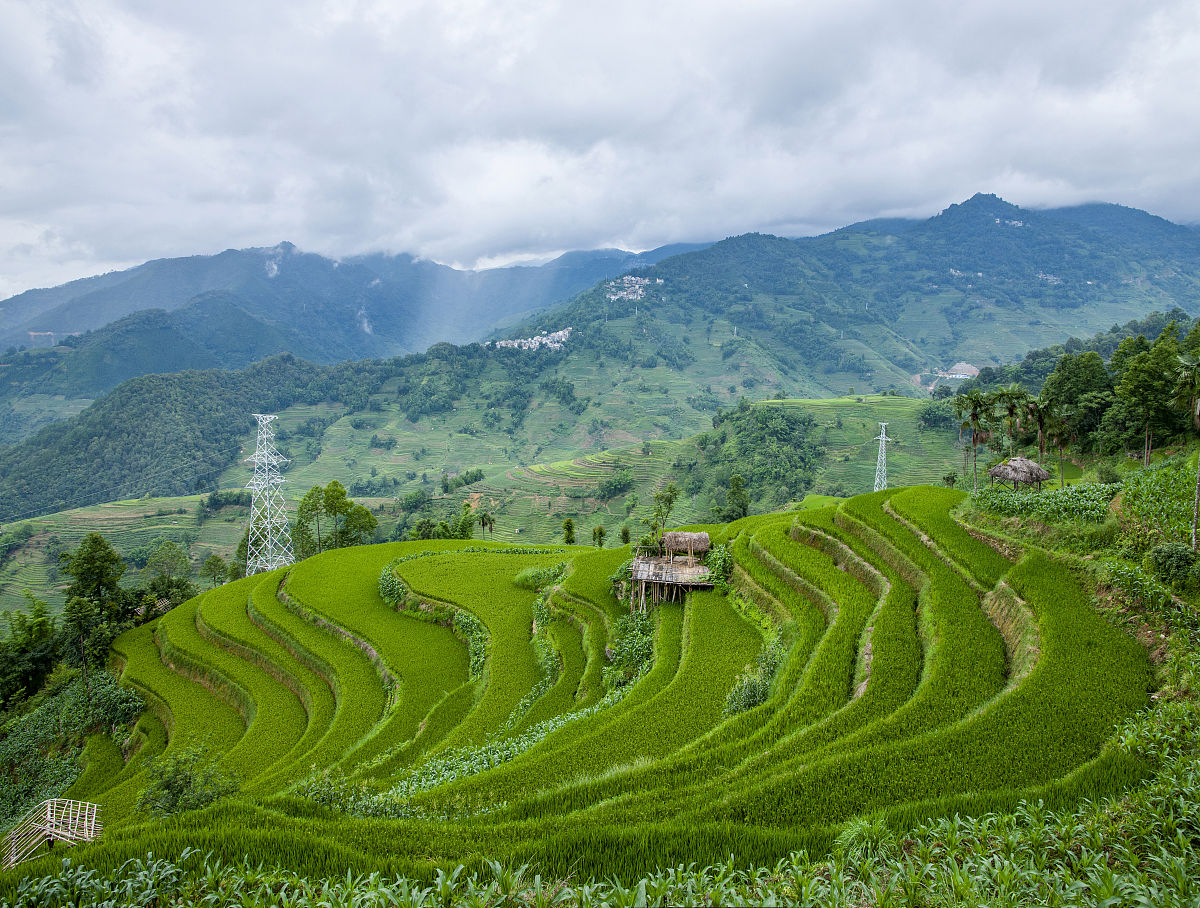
x,y
56,820
661,578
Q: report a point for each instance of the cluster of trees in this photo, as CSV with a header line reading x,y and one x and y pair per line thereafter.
x,y
564,391
213,502
13,538
98,608
375,486
614,485
465,478
383,442
763,455
327,518
460,526
1035,367
1147,392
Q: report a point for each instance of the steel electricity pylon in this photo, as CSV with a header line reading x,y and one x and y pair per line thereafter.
x,y
881,462
269,545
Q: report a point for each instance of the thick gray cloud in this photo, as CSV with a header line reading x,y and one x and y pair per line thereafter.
x,y
466,130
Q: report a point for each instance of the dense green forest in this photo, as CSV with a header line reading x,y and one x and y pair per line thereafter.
x,y
1032,369
165,434
773,452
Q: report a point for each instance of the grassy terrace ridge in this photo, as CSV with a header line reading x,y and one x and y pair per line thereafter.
x,y
426,660
361,741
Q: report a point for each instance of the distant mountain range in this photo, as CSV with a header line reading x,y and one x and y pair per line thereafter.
x,y
658,340
333,310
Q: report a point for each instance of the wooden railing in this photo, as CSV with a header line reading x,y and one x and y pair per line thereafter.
x,y
56,820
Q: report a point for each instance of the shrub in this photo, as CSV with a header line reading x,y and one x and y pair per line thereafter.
x,y
866,839
754,685
184,780
1107,473
632,648
538,578
720,562
936,414
392,589
621,576
1172,562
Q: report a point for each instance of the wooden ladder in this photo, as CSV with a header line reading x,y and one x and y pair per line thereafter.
x,y
58,819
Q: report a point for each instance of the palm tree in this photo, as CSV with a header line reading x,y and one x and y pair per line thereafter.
x,y
1187,397
1011,401
486,520
1060,433
975,410
1039,413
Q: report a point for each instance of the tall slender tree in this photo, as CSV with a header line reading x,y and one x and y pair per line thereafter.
x,y
486,521
310,510
214,568
96,569
975,409
1011,402
1187,397
337,506
1038,412
1060,432
1147,385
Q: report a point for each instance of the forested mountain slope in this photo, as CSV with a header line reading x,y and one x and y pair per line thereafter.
x,y
982,282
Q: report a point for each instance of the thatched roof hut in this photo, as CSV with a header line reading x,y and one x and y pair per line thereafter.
x,y
1018,471
679,543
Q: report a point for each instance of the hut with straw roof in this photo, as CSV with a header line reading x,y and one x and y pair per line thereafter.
x,y
677,542
1018,471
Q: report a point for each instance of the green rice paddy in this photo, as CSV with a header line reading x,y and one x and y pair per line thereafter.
x,y
897,697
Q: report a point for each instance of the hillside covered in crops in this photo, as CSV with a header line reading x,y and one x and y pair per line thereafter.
x,y
413,706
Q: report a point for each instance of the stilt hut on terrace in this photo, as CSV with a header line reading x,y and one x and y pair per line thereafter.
x,y
658,572
1018,471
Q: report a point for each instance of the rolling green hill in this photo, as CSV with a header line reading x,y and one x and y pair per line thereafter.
x,y
878,302
257,302
528,501
866,307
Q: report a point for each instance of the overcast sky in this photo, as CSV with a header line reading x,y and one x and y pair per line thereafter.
x,y
484,131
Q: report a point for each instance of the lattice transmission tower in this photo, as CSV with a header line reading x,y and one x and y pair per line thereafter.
x,y
270,544
881,463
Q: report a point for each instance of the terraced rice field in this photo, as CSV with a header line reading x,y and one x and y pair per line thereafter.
x,y
904,691
127,525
